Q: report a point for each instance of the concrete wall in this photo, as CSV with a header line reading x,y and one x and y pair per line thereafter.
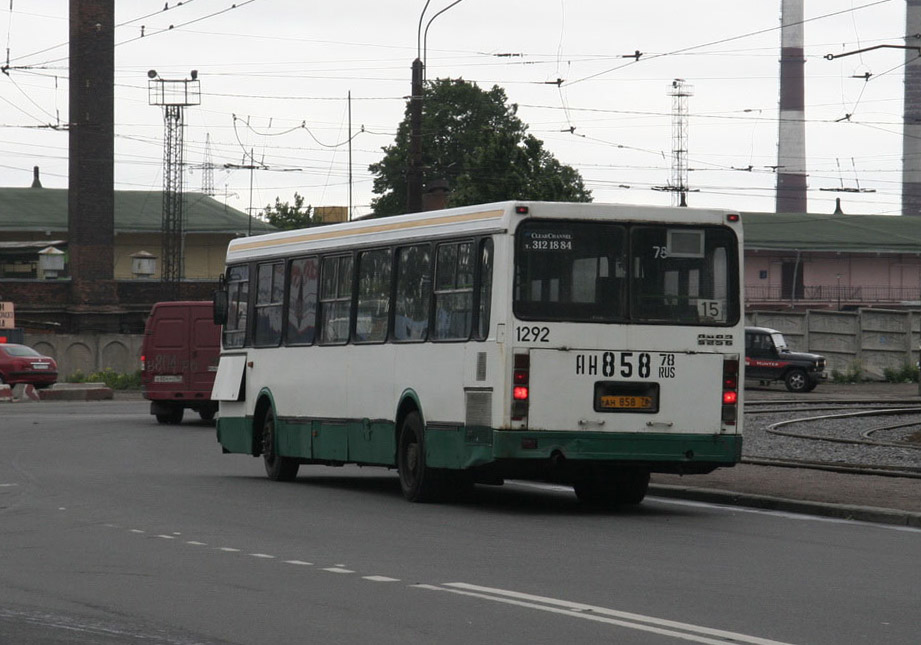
x,y
89,352
873,339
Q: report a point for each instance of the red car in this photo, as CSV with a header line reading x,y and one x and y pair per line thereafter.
x,y
22,364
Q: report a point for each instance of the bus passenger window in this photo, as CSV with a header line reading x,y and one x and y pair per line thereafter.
x,y
453,291
373,296
238,302
485,293
270,291
335,299
413,293
302,301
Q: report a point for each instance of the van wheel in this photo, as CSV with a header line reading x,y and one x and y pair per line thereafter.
x,y
796,381
418,482
207,413
173,417
278,468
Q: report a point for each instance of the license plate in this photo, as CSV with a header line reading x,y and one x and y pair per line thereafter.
x,y
40,366
627,402
167,378
627,396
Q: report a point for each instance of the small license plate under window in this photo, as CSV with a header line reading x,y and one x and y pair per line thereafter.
x,y
621,396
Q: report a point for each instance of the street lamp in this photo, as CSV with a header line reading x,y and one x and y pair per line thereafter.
x,y
414,174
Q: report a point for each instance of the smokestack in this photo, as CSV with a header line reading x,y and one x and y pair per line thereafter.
x,y
791,141
36,180
911,129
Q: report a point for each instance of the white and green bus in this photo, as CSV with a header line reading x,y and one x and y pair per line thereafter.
x,y
587,344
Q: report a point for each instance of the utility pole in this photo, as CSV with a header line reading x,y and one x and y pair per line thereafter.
x,y
414,175
680,93
172,95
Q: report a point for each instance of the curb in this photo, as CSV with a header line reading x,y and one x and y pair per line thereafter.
x,y
765,502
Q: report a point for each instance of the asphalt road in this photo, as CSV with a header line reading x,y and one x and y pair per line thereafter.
x,y
114,529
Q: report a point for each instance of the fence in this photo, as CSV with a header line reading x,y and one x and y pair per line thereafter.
x,y
869,339
873,339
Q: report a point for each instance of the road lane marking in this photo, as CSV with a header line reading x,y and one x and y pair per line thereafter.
x,y
194,543
264,556
639,622
338,570
380,579
299,563
167,537
228,549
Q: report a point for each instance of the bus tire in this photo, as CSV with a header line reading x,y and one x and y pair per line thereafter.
x,y
418,482
613,488
278,468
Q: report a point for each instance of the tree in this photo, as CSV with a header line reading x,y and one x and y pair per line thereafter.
x,y
475,141
284,216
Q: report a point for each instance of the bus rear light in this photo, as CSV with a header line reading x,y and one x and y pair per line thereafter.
x,y
143,362
520,390
521,210
733,217
730,391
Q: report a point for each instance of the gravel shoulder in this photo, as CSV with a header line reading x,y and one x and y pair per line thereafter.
x,y
901,494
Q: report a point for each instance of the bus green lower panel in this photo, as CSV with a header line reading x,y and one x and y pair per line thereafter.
x,y
235,434
606,446
365,442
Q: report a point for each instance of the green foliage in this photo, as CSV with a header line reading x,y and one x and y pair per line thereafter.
x,y
473,139
907,373
286,217
853,374
112,379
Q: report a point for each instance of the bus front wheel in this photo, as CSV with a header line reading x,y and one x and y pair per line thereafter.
x,y
278,468
417,481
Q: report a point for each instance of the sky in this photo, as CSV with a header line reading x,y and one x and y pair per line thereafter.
x,y
276,75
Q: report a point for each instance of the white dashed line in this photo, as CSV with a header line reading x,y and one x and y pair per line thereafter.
x,y
299,563
380,579
138,531
265,556
338,570
228,549
194,543
167,537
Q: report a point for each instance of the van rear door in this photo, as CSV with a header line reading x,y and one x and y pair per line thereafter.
x,y
205,349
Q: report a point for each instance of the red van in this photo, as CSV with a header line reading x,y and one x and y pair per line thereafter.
x,y
179,358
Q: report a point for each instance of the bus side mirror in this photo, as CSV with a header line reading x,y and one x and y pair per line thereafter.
x,y
219,307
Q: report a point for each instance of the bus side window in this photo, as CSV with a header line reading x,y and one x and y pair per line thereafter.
x,y
485,291
270,281
302,301
454,268
373,304
335,299
238,297
413,293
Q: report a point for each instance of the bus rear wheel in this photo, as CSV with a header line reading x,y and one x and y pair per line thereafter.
x,y
278,468
418,482
612,488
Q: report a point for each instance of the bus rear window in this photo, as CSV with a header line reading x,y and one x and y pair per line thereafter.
x,y
571,271
608,272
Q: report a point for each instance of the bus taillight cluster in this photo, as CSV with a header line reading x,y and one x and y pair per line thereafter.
x,y
520,390
730,390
